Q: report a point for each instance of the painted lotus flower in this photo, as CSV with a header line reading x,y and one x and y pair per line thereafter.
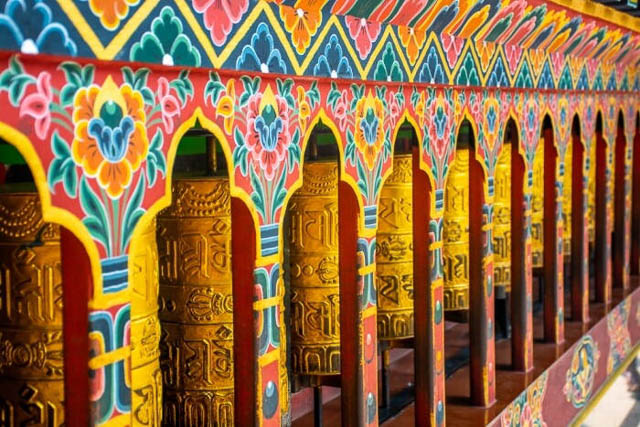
x,y
37,104
111,12
220,16
369,132
332,63
364,33
110,138
169,105
412,40
268,136
166,43
302,21
29,28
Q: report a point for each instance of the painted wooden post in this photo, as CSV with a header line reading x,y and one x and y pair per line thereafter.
x,y
489,111
528,110
621,233
580,233
635,189
77,280
521,348
437,122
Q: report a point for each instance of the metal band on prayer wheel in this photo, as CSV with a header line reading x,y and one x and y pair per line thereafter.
x,y
566,200
31,345
315,293
455,251
146,377
591,200
537,206
394,254
196,305
502,220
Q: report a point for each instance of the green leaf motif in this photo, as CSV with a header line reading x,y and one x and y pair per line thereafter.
x,y
62,168
240,152
96,218
183,86
155,159
15,81
77,77
314,95
279,194
257,196
213,88
132,214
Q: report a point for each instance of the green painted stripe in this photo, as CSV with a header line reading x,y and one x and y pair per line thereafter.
x,y
10,155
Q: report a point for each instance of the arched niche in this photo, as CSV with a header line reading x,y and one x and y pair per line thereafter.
x,y
320,235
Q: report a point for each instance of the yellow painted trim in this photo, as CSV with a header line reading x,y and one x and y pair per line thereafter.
x,y
121,420
204,40
266,303
436,245
272,356
368,269
131,26
582,415
52,213
109,358
369,311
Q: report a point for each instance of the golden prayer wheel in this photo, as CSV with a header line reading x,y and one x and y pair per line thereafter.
x,y
455,251
591,200
502,221
31,344
566,201
196,304
394,253
146,377
537,207
315,290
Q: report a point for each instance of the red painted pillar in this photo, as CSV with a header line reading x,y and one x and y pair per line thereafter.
x,y
243,258
579,234
427,302
553,257
481,289
521,267
603,226
621,234
635,208
353,402
77,285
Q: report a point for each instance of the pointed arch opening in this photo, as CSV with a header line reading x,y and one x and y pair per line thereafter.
x,y
320,234
204,290
46,277
602,252
395,273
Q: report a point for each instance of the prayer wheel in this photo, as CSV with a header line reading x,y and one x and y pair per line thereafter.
x,y
31,344
196,304
537,207
455,251
146,377
394,253
502,221
314,280
566,201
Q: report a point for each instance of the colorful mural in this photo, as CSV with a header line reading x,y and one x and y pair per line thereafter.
x,y
101,137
